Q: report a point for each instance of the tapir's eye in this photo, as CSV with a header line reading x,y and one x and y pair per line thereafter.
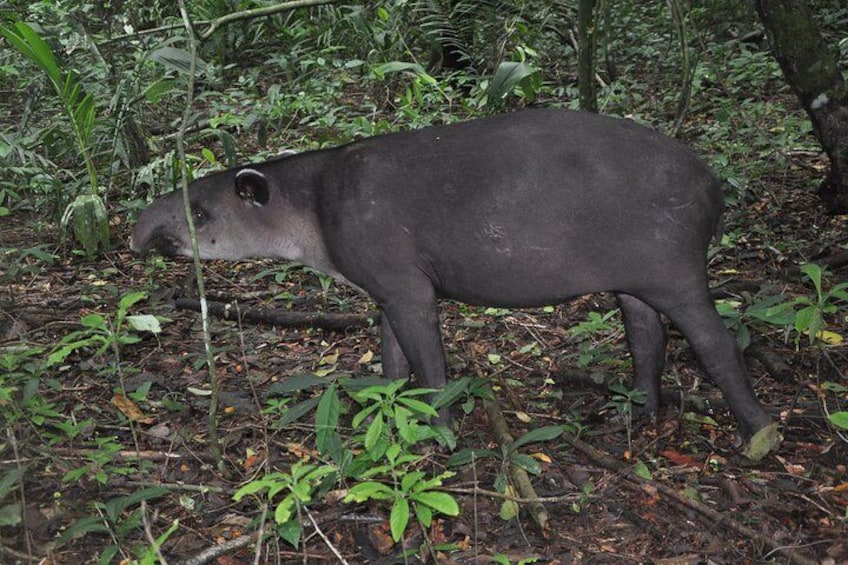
x,y
199,215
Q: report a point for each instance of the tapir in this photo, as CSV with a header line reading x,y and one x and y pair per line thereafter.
x,y
525,209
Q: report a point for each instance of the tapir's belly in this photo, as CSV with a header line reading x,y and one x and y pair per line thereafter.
x,y
533,263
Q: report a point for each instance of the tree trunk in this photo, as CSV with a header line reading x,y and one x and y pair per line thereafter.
x,y
586,42
812,72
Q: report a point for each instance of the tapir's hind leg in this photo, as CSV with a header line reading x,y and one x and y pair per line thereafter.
x,y
646,339
719,355
395,365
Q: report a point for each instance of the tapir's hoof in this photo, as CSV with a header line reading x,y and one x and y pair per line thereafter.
x,y
762,442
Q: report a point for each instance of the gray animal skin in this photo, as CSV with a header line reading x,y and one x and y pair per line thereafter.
x,y
521,210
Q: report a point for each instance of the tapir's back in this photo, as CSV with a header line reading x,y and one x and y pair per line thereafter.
x,y
540,204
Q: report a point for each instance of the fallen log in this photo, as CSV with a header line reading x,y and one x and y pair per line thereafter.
x,y
283,318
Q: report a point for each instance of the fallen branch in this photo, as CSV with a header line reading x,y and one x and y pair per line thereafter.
x,y
519,475
473,491
256,13
714,517
283,318
214,552
226,19
833,261
773,363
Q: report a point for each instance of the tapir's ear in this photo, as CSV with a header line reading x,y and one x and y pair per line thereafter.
x,y
252,186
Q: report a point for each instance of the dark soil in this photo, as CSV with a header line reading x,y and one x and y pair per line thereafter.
x,y
704,503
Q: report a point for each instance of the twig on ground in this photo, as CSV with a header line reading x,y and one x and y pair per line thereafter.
x,y
212,553
325,538
519,475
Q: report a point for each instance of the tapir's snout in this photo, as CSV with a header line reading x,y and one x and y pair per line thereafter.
x,y
151,235
158,240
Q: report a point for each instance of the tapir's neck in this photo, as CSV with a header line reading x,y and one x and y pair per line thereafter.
x,y
297,235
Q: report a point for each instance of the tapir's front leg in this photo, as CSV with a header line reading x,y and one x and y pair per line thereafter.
x,y
395,364
412,339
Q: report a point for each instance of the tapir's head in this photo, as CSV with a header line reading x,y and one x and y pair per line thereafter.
x,y
235,213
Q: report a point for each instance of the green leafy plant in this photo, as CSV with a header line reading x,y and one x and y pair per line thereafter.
x,y
21,374
103,333
19,263
624,400
10,512
810,319
466,392
91,225
595,337
801,316
290,492
412,489
378,457
511,452
390,422
509,455
119,518
100,463
839,419
512,76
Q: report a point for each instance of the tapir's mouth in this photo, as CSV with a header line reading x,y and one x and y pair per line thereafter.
x,y
165,244
160,241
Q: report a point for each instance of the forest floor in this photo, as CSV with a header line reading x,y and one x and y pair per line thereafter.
x,y
703,503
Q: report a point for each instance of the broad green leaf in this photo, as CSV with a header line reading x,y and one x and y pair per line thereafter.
x,y
527,463
160,88
369,490
352,385
839,419
109,553
509,508
291,531
409,480
177,59
546,433
399,518
93,321
424,514
398,66
363,414
814,272
10,480
144,323
30,44
508,75
296,383
10,515
131,298
834,387
285,510
452,391
763,442
466,456
117,506
440,501
296,412
250,488
87,525
418,406
375,432
641,470
327,422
